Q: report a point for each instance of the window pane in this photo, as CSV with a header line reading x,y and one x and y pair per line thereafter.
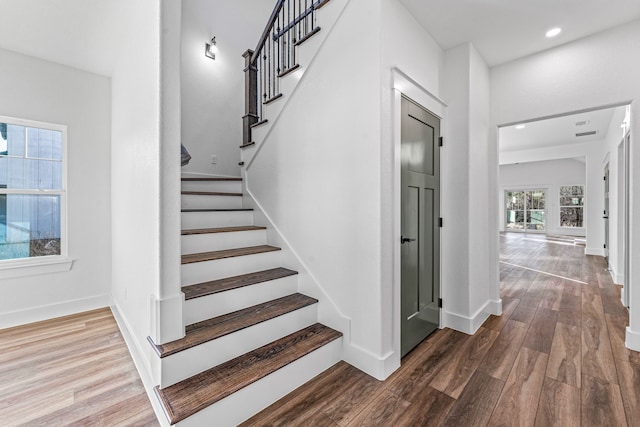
x,y
515,220
22,170
44,144
12,138
571,217
536,220
29,226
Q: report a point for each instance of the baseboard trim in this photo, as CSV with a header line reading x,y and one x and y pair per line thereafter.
x,y
379,367
46,312
632,340
594,251
470,325
137,354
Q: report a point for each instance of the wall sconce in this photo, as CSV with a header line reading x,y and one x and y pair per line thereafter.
x,y
211,49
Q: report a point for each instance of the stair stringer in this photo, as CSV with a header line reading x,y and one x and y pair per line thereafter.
x,y
327,17
329,313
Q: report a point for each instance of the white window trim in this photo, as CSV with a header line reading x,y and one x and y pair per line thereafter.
x,y
12,268
584,206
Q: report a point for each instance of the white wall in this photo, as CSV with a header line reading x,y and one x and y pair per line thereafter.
x,y
470,290
135,183
593,152
412,64
549,175
616,227
39,90
593,72
213,91
317,173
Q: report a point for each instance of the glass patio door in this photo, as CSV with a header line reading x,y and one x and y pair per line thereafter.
x,y
526,210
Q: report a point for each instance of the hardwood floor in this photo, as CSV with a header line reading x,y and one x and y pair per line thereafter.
x,y
74,370
556,357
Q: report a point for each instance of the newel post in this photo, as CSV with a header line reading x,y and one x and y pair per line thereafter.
x,y
250,96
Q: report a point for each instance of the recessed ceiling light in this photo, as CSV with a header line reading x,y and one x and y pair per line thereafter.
x,y
553,32
520,126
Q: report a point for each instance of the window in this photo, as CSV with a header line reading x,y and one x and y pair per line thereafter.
x,y
32,190
526,210
571,206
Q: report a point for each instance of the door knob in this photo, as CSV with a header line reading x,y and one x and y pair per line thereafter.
x,y
404,240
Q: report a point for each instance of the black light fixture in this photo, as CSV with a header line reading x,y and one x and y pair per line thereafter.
x,y
210,49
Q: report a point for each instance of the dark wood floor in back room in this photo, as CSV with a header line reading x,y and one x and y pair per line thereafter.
x,y
556,357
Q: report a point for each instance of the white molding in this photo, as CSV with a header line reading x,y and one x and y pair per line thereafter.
x,y
594,251
410,87
167,319
33,267
205,175
632,340
494,307
46,312
470,325
137,354
379,367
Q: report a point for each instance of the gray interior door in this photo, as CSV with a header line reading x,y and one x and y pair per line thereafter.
x,y
606,212
420,241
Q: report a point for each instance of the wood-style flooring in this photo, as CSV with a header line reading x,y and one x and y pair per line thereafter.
x,y
71,371
556,357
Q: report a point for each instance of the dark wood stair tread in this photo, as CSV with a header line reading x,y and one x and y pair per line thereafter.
x,y
210,179
189,396
211,329
216,210
209,193
235,282
222,230
227,253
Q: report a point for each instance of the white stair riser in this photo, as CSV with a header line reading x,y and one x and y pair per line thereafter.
x,y
245,403
190,201
222,186
188,363
196,243
199,309
190,220
205,271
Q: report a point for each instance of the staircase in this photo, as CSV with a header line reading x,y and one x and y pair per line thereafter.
x,y
251,338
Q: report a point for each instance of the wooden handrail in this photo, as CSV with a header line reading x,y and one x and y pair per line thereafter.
x,y
267,29
291,23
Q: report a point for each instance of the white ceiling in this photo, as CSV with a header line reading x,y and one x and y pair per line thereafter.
x,y
556,131
85,33
504,30
78,33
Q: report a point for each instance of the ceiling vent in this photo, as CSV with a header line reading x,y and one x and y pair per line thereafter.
x,y
592,132
583,123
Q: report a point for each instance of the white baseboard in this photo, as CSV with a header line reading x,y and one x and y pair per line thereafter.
x,y
137,354
594,251
378,367
205,175
469,325
632,340
46,312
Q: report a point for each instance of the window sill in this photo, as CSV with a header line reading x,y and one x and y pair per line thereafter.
x,y
31,267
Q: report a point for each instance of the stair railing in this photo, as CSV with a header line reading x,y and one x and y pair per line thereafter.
x,y
292,22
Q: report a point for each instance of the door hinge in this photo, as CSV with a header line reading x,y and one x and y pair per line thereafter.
x,y
439,222
439,302
441,141
604,178
605,246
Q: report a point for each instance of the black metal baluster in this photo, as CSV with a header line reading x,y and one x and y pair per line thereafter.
x,y
306,17
289,35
